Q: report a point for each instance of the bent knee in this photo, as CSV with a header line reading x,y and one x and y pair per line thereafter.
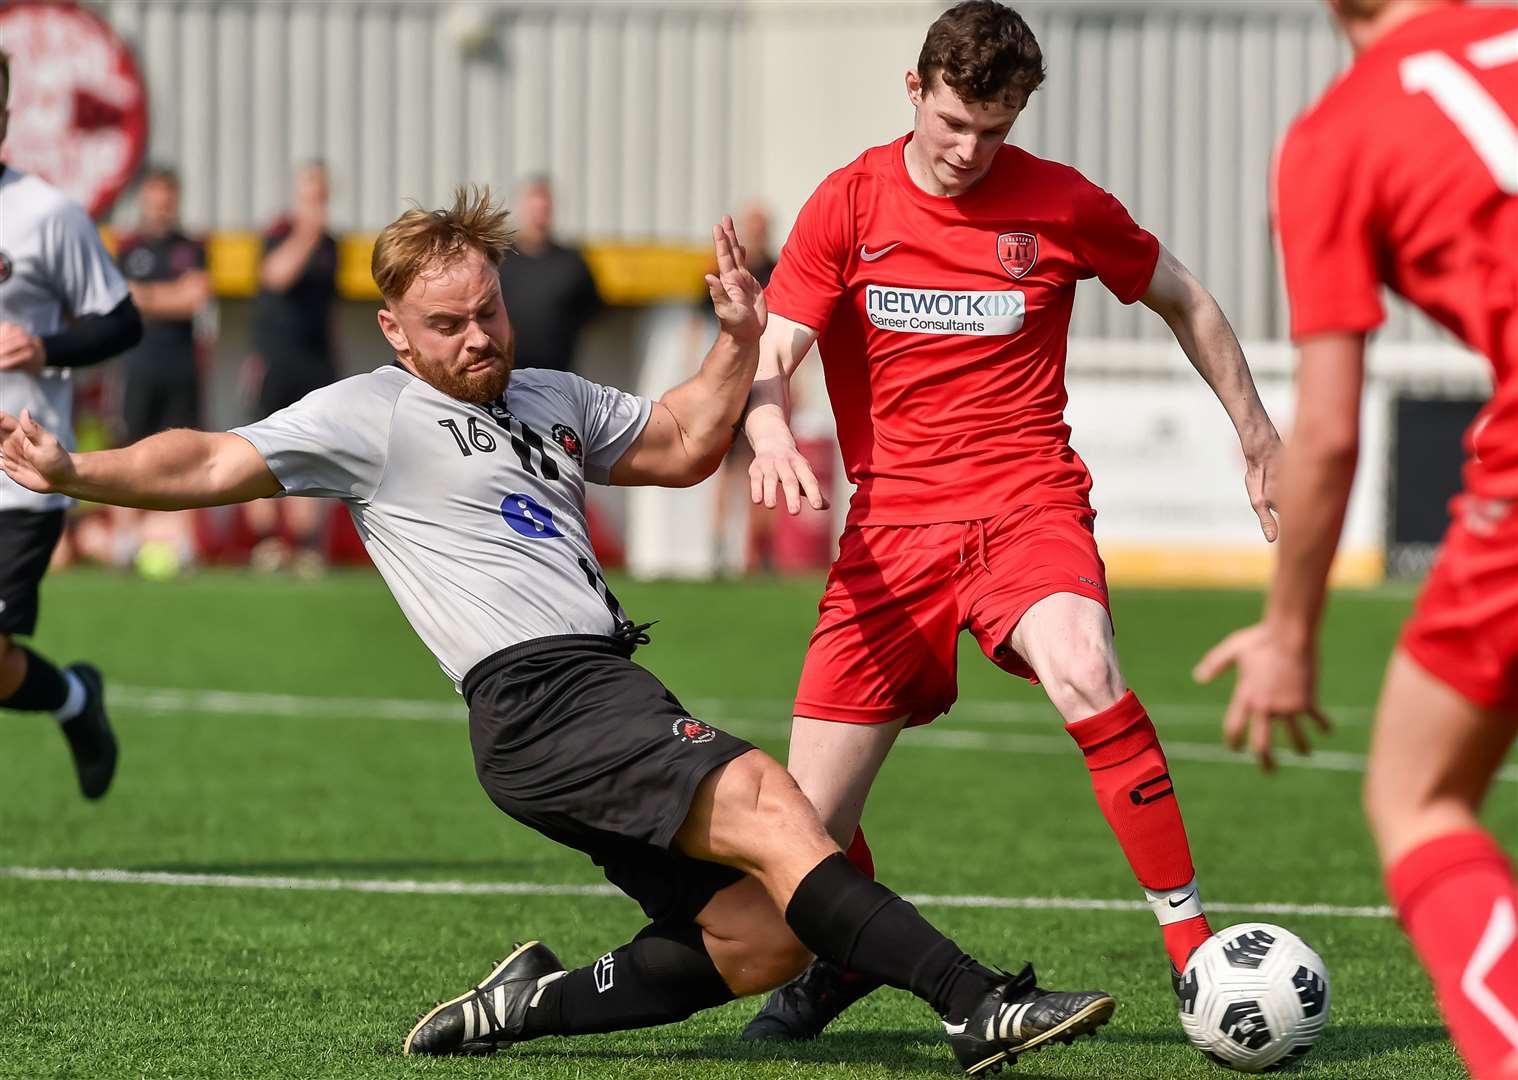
x,y
765,961
1083,680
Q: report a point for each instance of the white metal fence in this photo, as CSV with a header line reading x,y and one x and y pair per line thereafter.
x,y
653,117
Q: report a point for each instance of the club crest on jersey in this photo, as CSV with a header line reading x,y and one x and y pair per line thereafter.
x,y
569,442
693,731
6,267
1018,251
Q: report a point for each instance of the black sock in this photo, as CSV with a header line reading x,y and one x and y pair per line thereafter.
x,y
663,975
861,925
42,689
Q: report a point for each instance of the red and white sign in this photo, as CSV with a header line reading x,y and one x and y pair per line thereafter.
x,y
78,106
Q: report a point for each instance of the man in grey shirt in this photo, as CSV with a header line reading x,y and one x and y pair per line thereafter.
x,y
467,483
63,305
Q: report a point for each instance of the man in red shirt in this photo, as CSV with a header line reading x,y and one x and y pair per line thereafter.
x,y
1406,174
937,275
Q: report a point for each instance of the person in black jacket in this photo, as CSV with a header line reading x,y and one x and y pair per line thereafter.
x,y
547,285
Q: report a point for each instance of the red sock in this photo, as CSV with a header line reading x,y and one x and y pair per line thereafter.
x,y
859,854
1457,900
1132,783
863,860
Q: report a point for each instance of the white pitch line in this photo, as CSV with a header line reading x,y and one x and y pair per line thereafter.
x,y
715,710
525,888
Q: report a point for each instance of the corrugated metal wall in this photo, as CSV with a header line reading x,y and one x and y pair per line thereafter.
x,y
653,117
613,101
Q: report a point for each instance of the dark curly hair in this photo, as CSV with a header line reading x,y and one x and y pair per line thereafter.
x,y
984,52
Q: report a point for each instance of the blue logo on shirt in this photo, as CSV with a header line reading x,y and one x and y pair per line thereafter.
x,y
527,517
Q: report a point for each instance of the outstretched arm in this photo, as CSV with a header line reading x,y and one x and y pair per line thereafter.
x,y
1277,658
777,463
174,470
691,426
1202,330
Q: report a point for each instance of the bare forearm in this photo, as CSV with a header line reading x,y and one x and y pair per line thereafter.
x,y
1203,332
768,414
707,406
174,470
781,350
282,266
1319,477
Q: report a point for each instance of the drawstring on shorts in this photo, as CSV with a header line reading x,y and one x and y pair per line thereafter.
x,y
980,543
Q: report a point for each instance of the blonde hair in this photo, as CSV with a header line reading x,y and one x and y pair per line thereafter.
x,y
421,239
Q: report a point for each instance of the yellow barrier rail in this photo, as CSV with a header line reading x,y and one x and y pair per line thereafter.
x,y
624,273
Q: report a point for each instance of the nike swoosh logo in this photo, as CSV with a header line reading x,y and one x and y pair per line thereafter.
x,y
870,256
1182,901
955,1029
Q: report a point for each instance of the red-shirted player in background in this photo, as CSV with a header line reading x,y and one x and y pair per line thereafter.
x,y
937,273
1406,173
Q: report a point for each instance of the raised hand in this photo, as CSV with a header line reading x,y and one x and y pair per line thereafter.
x,y
31,456
737,297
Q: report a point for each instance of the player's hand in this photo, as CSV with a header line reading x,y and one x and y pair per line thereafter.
x,y
21,351
32,457
1262,473
737,297
1276,684
778,467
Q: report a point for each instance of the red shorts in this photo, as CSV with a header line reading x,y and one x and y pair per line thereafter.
x,y
886,642
1464,629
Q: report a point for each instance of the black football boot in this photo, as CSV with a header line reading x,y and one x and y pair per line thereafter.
x,y
89,735
811,1001
1016,1017
492,1013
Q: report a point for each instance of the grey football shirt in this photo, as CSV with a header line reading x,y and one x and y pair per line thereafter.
x,y
474,514
53,267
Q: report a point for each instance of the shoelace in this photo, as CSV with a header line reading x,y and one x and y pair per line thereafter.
x,y
479,997
631,633
1021,985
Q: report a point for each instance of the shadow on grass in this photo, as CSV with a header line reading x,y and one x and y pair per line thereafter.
x,y
1340,1043
921,1049
494,867
900,1049
897,1049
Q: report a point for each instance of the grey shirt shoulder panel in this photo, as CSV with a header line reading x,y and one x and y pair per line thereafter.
x,y
611,419
334,442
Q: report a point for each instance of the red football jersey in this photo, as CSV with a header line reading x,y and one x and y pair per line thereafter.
x,y
1406,173
943,325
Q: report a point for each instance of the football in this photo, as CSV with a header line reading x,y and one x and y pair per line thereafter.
x,y
1254,997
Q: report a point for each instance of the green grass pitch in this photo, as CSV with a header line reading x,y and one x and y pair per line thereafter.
x,y
285,771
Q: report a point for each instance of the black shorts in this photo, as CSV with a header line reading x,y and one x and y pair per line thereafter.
x,y
151,403
27,540
578,742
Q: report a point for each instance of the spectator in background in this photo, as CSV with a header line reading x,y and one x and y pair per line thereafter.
x,y
744,532
294,336
166,272
754,234
293,315
547,286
